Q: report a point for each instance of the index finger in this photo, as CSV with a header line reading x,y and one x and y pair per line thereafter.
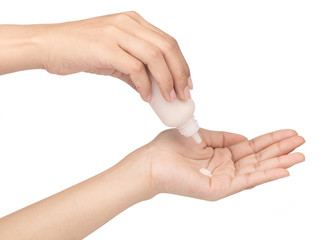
x,y
218,139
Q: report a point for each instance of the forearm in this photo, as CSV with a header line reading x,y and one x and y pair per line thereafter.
x,y
77,211
21,47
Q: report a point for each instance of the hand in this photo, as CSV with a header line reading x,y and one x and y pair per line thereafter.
x,y
236,164
119,45
170,163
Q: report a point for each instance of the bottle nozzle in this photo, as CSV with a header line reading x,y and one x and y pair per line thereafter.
x,y
190,129
197,138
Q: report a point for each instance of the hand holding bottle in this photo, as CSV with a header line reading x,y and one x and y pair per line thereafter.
x,y
121,45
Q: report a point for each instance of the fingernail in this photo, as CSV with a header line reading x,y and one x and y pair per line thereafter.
x,y
187,92
190,83
148,99
173,95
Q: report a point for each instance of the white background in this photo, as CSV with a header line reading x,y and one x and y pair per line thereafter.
x,y
257,66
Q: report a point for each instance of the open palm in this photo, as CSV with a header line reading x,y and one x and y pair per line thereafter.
x,y
235,162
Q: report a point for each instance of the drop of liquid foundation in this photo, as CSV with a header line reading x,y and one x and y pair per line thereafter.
x,y
206,172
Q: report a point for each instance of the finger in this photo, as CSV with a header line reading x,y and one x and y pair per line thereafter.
x,y
104,71
251,180
153,57
137,17
257,144
126,78
172,53
277,149
114,73
131,66
221,163
285,161
218,139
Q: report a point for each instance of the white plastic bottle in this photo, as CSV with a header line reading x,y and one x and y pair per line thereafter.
x,y
177,113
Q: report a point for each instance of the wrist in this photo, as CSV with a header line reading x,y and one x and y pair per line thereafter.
x,y
21,47
134,174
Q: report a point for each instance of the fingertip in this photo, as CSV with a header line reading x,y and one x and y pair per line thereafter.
x,y
172,95
145,95
143,85
187,93
148,90
300,157
148,98
300,140
182,85
277,173
287,174
291,132
284,173
241,138
190,82
169,96
303,139
144,98
144,91
284,133
183,93
166,88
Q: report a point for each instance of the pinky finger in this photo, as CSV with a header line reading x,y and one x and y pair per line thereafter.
x,y
253,179
136,71
113,73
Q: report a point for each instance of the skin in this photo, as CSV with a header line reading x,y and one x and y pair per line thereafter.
x,y
168,164
122,45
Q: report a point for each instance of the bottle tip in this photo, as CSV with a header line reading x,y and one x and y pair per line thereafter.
x,y
197,138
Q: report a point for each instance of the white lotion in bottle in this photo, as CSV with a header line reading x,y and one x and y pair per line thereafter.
x,y
177,113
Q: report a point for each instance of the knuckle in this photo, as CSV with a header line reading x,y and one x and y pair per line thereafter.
x,y
256,166
258,157
133,13
279,147
170,44
183,76
137,67
279,161
121,18
154,53
247,181
181,80
187,71
111,29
